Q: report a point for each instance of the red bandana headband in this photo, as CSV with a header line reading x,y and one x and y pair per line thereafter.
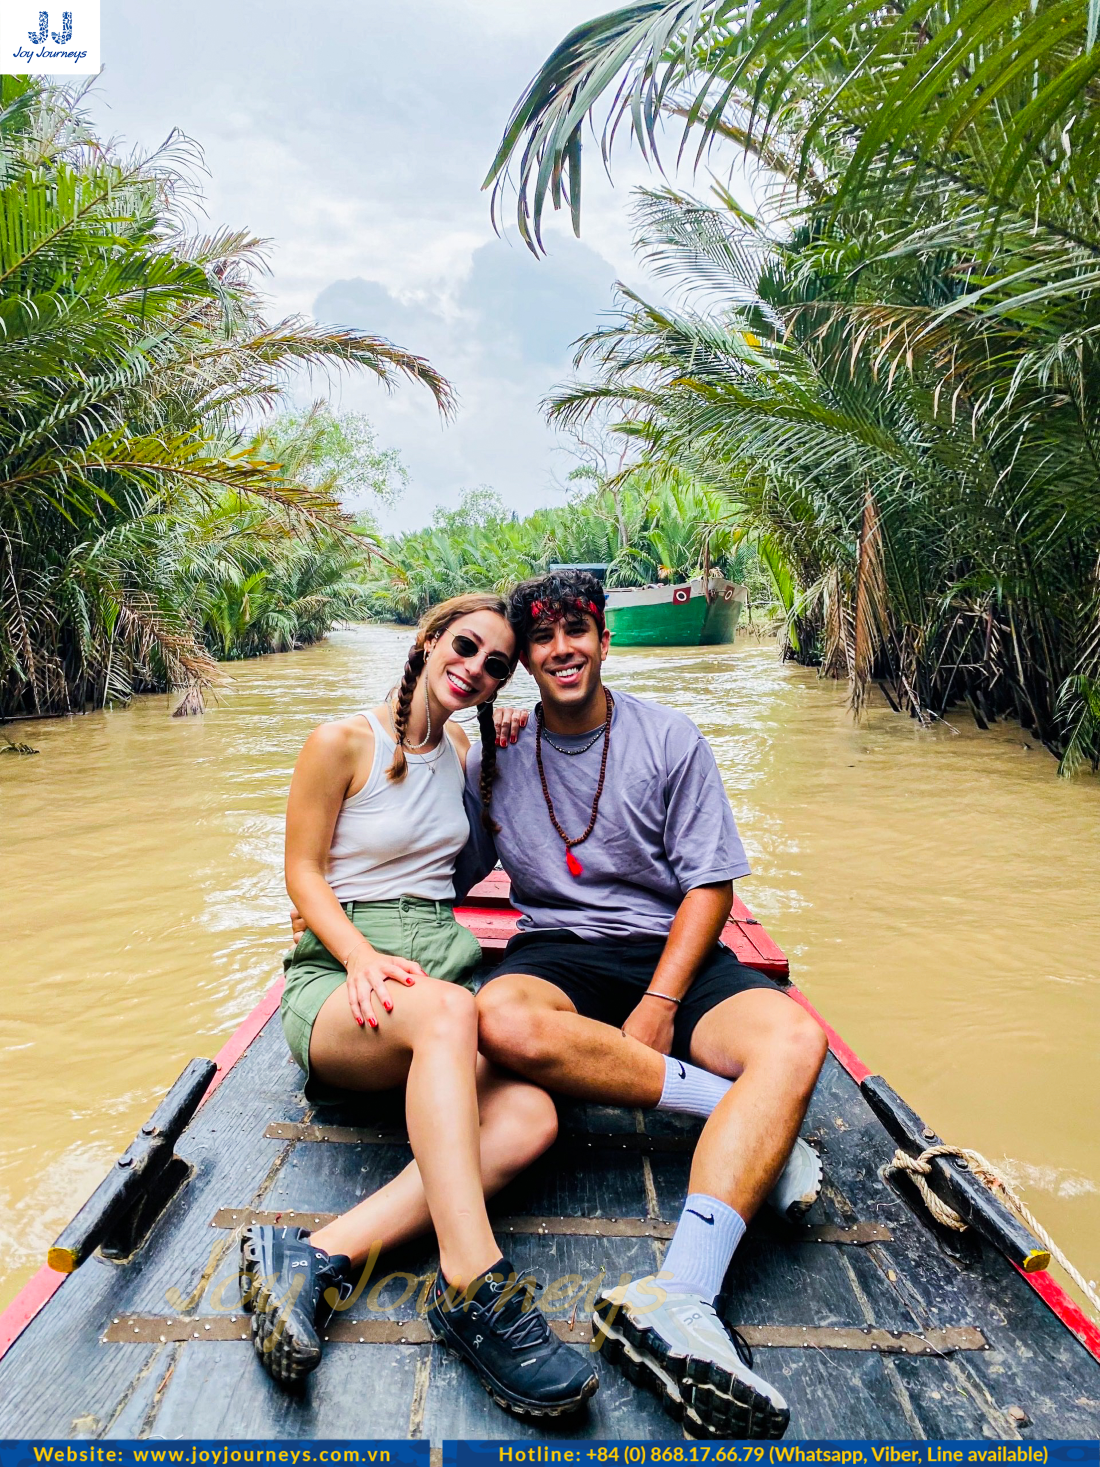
x,y
547,611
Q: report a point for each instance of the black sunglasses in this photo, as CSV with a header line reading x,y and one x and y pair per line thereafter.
x,y
495,665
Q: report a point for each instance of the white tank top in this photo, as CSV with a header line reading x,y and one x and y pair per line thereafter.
x,y
401,839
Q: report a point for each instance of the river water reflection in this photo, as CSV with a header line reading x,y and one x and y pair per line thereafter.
x,y
938,893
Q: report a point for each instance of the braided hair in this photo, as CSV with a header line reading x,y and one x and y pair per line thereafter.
x,y
414,666
488,762
432,626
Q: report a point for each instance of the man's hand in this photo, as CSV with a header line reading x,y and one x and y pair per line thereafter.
x,y
652,1023
297,924
508,723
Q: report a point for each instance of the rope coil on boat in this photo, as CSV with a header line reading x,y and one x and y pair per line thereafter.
x,y
917,1168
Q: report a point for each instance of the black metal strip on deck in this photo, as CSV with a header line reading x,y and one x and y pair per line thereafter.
x,y
858,1235
150,1329
390,1136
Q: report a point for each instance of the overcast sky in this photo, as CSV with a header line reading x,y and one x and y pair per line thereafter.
x,y
355,137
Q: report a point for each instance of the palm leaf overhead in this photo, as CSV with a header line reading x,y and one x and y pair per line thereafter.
x,y
951,555
891,365
135,357
994,97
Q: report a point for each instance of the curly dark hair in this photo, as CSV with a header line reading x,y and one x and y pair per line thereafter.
x,y
553,596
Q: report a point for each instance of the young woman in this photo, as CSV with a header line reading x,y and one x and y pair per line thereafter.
x,y
375,998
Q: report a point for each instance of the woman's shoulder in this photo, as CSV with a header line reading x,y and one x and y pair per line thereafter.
x,y
343,738
459,737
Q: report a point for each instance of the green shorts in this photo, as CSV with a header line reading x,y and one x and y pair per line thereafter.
x,y
425,932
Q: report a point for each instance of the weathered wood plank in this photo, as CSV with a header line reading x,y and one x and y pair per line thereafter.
x,y
1034,1363
457,1406
355,1393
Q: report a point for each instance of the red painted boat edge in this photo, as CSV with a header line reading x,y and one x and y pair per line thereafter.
x,y
844,1054
1074,1319
41,1288
1048,1289
243,1035
33,1296
38,1291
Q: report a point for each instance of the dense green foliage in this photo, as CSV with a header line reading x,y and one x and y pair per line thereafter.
x,y
143,524
891,365
246,585
644,527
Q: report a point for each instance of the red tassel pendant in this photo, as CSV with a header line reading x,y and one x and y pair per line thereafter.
x,y
575,867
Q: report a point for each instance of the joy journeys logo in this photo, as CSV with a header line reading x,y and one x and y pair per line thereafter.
x,y
49,42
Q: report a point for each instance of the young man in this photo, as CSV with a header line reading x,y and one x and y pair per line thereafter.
x,y
617,834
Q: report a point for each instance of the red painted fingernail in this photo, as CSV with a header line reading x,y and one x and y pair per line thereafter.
x,y
374,1023
389,1008
359,1021
410,981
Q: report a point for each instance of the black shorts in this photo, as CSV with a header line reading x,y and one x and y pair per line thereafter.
x,y
605,980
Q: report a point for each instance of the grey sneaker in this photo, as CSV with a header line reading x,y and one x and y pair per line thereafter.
x,y
799,1183
676,1346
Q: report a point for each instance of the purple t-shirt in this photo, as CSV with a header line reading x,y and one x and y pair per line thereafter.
x,y
664,825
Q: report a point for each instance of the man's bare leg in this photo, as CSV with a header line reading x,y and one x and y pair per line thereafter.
x,y
528,1025
774,1050
760,1038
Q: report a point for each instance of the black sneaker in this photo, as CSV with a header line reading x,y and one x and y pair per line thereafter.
x,y
521,1364
291,1289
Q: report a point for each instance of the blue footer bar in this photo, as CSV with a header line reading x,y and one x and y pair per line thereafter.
x,y
533,1453
765,1454
157,1452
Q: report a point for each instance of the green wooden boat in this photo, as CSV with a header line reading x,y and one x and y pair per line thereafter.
x,y
696,613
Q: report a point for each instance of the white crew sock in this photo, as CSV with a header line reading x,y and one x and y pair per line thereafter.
x,y
703,1244
690,1090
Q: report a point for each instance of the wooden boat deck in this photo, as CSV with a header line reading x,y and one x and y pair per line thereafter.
x,y
154,1347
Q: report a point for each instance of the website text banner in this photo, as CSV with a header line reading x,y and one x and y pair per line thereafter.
x,y
764,1454
176,1453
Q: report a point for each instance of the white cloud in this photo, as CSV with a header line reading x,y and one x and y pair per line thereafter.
x,y
356,136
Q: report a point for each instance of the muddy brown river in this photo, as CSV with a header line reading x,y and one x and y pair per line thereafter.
x,y
937,892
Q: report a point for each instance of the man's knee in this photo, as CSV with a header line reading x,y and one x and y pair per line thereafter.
x,y
803,1046
774,1033
511,1031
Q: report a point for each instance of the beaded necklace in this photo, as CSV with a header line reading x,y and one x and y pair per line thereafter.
x,y
584,748
574,866
426,740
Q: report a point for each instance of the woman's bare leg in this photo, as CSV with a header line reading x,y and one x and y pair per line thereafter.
x,y
429,1041
518,1123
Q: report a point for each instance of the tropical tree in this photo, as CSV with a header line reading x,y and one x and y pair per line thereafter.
x,y
893,357
133,354
643,525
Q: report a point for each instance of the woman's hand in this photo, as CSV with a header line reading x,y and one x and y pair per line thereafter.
x,y
368,973
508,723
